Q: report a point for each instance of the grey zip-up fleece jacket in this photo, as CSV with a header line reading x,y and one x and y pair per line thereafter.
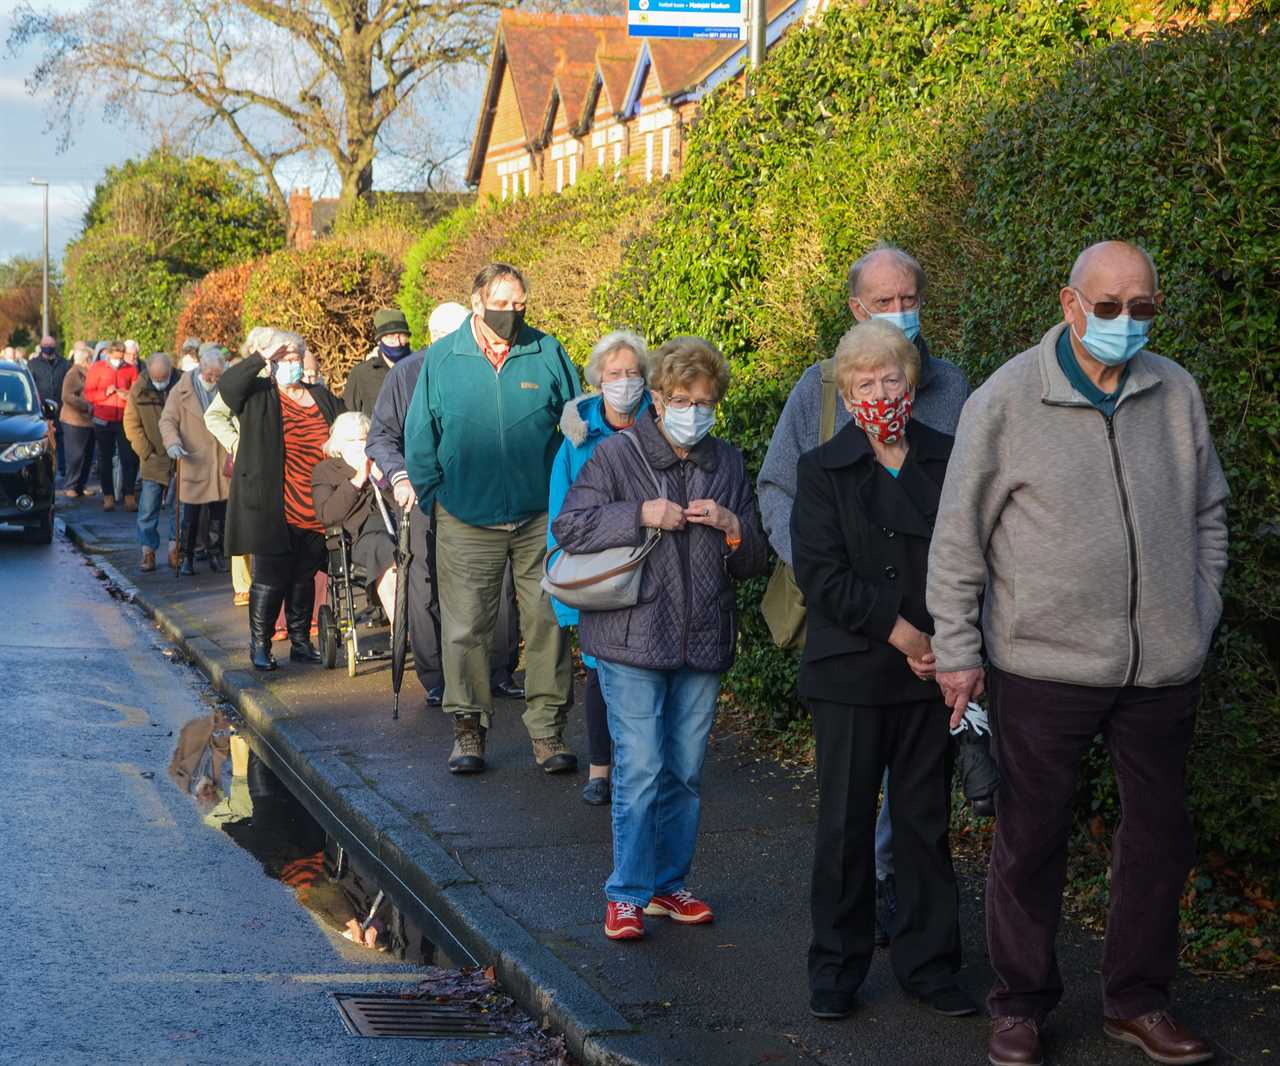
x,y
1100,543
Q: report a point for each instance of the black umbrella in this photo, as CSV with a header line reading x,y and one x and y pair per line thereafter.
x,y
400,616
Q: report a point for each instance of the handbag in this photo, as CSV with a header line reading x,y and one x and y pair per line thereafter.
x,y
607,580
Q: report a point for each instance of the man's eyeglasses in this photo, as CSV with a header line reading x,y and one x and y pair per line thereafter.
x,y
1142,310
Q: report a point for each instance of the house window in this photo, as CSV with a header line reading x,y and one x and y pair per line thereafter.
x,y
505,179
666,151
573,166
648,157
559,175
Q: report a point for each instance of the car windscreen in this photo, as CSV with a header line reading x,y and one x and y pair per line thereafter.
x,y
16,394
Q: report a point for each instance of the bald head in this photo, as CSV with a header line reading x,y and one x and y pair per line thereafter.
x,y
1107,262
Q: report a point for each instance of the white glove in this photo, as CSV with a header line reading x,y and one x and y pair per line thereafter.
x,y
975,718
177,451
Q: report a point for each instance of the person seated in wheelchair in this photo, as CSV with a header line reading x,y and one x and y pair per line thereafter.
x,y
347,494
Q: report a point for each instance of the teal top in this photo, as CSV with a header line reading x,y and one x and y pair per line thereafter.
x,y
893,471
1105,402
482,441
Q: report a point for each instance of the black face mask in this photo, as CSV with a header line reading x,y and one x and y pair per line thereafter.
x,y
393,354
506,324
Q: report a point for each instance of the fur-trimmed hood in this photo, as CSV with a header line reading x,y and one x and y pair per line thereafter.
x,y
583,417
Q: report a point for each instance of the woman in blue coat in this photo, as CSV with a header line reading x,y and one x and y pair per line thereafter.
x,y
619,372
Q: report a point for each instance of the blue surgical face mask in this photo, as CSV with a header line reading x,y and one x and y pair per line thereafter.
x,y
907,321
1113,341
288,374
624,394
689,426
393,354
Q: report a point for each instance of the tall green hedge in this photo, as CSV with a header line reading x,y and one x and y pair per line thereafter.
x,y
995,140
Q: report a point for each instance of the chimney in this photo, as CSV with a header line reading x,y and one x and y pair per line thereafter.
x,y
300,227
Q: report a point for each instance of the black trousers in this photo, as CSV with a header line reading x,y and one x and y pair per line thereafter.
x,y
111,441
80,448
424,613
210,516
854,745
599,743
1040,732
292,574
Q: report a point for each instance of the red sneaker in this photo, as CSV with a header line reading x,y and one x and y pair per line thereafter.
x,y
680,906
622,921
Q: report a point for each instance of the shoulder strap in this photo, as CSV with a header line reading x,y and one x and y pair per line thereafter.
x,y
827,423
635,443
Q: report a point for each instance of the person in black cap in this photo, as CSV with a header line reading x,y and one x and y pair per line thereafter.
x,y
391,331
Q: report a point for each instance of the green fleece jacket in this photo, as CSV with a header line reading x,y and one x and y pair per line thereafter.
x,y
1080,548
480,441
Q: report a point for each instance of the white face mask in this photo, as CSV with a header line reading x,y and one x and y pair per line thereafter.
x,y
159,386
189,363
687,427
624,394
115,363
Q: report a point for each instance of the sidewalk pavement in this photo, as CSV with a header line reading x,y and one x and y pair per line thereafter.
x,y
508,868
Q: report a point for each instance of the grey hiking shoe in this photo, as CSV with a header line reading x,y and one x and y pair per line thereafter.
x,y
553,756
468,745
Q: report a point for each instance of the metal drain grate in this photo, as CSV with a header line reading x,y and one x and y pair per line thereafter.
x,y
390,1015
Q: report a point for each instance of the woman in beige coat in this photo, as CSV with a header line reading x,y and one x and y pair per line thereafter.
x,y
202,471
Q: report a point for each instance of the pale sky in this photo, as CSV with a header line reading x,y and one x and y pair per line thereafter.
x,y
29,151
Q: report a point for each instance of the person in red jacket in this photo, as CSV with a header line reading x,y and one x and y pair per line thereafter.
x,y
106,387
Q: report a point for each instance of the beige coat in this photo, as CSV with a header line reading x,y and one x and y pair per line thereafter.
x,y
202,479
76,410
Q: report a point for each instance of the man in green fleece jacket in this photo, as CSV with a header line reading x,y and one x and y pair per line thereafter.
x,y
480,438
1081,538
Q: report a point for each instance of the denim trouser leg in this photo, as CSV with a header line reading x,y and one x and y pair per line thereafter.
x,y
884,834
149,505
659,721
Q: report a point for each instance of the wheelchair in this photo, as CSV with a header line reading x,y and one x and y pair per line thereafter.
x,y
337,619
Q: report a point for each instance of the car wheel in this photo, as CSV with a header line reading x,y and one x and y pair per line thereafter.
x,y
328,626
42,533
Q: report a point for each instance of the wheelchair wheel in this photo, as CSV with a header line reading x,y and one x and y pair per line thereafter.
x,y
328,626
353,649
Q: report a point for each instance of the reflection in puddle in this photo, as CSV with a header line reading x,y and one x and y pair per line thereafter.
x,y
235,792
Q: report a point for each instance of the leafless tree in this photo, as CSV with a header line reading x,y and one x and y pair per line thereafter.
x,y
276,78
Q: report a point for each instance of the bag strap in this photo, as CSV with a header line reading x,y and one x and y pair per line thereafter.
x,y
632,436
827,423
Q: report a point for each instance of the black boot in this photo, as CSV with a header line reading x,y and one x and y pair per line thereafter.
x,y
217,563
264,605
188,567
297,619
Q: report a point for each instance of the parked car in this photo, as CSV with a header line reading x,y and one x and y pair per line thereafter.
x,y
26,455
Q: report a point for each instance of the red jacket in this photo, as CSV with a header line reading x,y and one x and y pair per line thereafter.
x,y
100,375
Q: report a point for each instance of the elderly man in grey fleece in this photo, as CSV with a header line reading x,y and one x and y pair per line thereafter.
x,y
889,284
1082,532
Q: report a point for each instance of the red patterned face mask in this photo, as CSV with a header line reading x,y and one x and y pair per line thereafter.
x,y
883,420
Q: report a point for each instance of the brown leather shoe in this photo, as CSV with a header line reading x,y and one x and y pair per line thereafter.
x,y
108,503
1014,1042
553,755
148,560
130,502
1162,1038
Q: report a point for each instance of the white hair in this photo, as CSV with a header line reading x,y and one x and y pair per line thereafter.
x,y
130,346
446,318
156,357
348,426
610,343
256,340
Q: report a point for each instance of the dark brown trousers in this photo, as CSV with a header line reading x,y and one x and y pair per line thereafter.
x,y
1041,731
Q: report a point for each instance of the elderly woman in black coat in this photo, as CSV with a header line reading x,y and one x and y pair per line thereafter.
x,y
863,518
346,493
270,515
660,661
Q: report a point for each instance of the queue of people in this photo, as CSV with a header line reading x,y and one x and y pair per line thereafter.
x,y
1055,542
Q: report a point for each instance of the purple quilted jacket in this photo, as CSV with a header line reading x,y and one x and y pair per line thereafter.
x,y
686,615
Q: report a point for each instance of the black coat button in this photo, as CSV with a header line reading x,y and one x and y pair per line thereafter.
x,y
889,533
891,572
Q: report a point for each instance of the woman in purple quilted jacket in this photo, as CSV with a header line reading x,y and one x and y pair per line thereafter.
x,y
660,661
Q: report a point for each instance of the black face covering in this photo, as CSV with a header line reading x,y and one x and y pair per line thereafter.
x,y
506,324
393,353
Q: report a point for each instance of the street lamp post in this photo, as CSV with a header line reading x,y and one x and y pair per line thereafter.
x,y
44,306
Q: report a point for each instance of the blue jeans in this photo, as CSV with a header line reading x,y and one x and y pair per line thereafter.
x,y
149,505
659,721
884,834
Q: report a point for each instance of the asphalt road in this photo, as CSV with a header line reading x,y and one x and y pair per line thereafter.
x,y
135,933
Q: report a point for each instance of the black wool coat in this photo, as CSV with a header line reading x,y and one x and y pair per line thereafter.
x,y
255,508
860,543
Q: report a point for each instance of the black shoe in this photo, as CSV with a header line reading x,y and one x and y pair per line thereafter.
x,y
886,910
435,696
261,657
217,563
303,651
508,690
951,1002
188,566
984,807
831,1006
596,791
